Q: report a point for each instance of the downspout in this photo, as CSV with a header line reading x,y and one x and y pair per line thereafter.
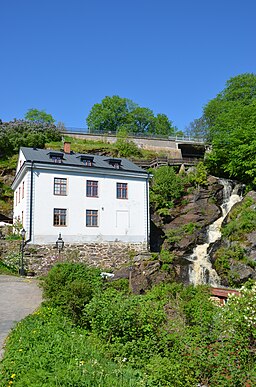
x,y
148,228
31,204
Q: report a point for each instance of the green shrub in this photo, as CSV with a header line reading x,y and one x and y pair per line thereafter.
x,y
166,256
131,324
71,286
166,187
242,221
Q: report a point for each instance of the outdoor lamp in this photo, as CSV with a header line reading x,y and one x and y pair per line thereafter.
x,y
59,244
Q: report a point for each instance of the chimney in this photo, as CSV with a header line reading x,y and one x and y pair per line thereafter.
x,y
67,147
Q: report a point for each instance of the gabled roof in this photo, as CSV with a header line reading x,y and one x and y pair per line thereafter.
x,y
77,160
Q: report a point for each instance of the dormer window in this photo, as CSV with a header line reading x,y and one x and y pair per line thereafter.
x,y
56,157
87,160
116,163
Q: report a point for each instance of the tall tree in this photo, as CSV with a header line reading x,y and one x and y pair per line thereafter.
x,y
231,125
163,125
115,113
108,115
141,120
40,116
197,128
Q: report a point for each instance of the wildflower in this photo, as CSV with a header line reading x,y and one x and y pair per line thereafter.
x,y
81,363
20,350
13,376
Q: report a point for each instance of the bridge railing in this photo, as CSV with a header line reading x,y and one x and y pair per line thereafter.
x,y
72,130
160,161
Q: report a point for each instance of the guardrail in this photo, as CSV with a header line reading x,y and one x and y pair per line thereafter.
x,y
85,131
161,161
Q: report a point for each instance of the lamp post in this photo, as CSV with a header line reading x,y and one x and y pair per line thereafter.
x,y
23,244
59,244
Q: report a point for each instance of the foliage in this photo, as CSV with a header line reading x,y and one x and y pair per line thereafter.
x,y
71,286
11,261
242,220
171,336
115,113
174,235
166,256
231,125
197,128
46,349
39,116
199,177
166,187
125,147
5,269
15,134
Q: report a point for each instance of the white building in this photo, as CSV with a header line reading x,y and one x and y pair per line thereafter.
x,y
86,198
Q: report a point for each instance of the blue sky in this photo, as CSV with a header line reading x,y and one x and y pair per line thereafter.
x,y
168,55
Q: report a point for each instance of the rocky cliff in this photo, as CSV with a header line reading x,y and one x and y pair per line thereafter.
x,y
174,236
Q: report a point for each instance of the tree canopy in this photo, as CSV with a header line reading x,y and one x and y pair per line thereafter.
x,y
17,133
115,113
40,116
230,122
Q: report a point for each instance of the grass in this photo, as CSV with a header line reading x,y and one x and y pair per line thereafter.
x,y
6,270
91,146
45,349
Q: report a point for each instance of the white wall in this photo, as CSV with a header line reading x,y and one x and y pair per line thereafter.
x,y
119,219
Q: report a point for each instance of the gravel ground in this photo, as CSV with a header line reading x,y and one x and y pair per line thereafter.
x,y
19,297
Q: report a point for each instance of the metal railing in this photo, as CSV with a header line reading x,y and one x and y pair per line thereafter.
x,y
72,130
161,161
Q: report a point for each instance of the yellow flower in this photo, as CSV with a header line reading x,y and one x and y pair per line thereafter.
x,y
13,376
20,350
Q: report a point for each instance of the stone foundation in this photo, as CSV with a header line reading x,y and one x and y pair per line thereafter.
x,y
40,258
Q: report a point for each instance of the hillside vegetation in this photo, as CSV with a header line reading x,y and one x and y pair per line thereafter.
x,y
95,333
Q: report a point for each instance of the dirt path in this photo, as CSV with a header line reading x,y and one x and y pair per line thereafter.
x,y
18,298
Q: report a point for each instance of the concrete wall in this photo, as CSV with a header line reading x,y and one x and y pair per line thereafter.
x,y
156,145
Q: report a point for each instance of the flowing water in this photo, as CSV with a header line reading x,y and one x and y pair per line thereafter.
x,y
201,271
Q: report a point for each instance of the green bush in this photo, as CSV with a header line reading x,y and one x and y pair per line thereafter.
x,y
242,221
71,286
131,324
166,187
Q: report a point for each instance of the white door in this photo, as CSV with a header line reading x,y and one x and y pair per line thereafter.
x,y
122,222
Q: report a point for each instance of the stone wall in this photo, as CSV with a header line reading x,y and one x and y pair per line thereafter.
x,y
40,258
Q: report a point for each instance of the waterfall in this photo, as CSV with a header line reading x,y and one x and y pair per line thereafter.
x,y
201,271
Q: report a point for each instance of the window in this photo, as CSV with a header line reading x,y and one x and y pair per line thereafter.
x,y
122,190
87,160
60,186
91,218
16,198
87,163
19,194
92,188
23,189
59,217
22,217
116,163
56,157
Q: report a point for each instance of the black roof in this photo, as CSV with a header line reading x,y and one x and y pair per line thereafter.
x,y
77,159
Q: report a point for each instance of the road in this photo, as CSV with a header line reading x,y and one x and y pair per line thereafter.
x,y
19,297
